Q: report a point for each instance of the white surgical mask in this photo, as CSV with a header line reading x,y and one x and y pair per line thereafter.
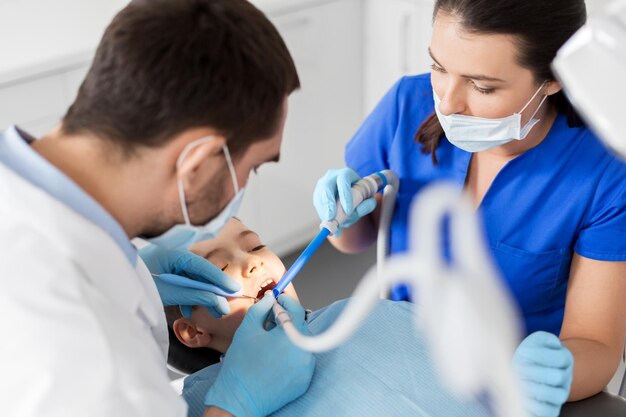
x,y
183,235
477,134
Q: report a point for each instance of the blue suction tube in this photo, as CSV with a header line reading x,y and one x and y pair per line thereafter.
x,y
299,263
361,190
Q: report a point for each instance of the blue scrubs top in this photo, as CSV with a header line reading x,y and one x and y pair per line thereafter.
x,y
566,195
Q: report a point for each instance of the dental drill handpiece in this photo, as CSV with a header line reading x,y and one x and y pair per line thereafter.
x,y
361,190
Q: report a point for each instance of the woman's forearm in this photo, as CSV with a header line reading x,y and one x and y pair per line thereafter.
x,y
361,235
594,366
356,238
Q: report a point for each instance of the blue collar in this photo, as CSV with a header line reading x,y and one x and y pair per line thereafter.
x,y
16,154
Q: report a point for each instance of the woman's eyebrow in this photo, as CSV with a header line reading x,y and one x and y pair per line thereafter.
x,y
478,77
430,52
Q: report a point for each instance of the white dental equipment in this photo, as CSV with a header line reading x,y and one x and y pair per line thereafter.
x,y
591,68
452,310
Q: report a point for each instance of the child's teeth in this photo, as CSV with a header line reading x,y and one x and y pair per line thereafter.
x,y
266,283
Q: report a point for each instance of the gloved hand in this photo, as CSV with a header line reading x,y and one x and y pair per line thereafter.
x,y
545,368
338,183
161,261
262,370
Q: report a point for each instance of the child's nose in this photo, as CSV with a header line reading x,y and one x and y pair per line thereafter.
x,y
253,266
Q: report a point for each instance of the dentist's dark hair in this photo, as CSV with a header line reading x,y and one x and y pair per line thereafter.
x,y
540,27
166,66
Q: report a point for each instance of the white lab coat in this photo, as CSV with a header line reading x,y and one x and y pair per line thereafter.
x,y
83,332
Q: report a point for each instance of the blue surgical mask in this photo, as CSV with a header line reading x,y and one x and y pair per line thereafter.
x,y
182,236
477,134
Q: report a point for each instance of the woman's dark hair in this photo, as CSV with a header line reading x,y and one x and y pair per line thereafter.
x,y
541,27
166,66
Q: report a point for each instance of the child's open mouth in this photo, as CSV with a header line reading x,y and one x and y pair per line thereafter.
x,y
266,286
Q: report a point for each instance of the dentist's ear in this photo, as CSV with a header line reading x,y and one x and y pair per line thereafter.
x,y
191,335
199,154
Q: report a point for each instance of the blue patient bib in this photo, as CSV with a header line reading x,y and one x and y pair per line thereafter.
x,y
384,369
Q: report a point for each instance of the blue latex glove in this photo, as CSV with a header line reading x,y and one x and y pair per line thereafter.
x,y
545,368
338,183
262,370
161,261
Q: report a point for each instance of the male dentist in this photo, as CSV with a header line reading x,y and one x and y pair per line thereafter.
x,y
183,99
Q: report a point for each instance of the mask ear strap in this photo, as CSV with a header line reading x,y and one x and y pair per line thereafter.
x,y
540,104
179,162
231,168
183,203
532,98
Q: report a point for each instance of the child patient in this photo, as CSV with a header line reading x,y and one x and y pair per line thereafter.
x,y
384,369
239,252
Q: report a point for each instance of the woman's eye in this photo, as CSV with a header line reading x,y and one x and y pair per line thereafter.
x,y
484,90
257,248
437,68
224,268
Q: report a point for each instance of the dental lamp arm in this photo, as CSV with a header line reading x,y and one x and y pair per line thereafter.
x,y
597,91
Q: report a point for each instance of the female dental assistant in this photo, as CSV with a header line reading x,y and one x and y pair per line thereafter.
x,y
491,118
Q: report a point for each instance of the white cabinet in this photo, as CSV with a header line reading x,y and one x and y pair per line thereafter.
x,y
37,103
46,46
325,39
72,79
22,103
397,36
326,43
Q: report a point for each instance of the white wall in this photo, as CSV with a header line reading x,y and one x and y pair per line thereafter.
x,y
595,6
397,36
